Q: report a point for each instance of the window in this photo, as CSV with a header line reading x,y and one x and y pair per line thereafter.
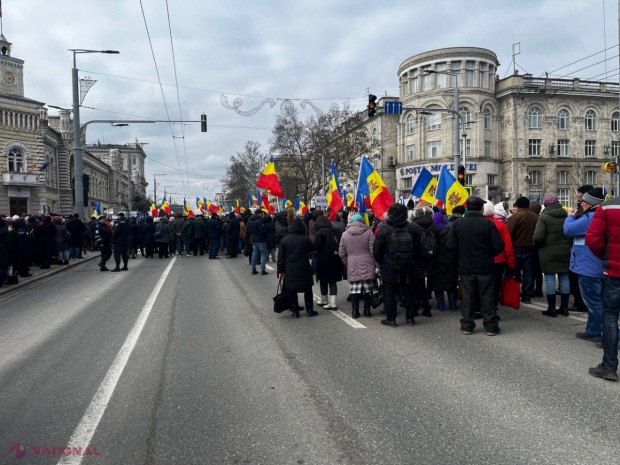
x,y
492,179
433,121
491,77
563,119
410,149
455,67
481,78
426,78
469,179
16,160
133,161
465,117
562,177
487,148
482,66
590,178
467,148
535,178
407,183
590,120
415,85
433,149
563,148
615,148
409,126
441,79
487,119
615,116
564,196
534,147
469,75
374,136
533,118
590,148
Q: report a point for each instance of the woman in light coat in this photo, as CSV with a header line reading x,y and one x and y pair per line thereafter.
x,y
355,251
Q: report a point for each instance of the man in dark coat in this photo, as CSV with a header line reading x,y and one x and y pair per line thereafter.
x,y
477,241
120,239
6,249
233,235
521,226
294,267
422,267
395,281
214,231
256,228
77,229
103,240
22,247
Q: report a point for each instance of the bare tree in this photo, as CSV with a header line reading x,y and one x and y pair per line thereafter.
x,y
300,145
243,171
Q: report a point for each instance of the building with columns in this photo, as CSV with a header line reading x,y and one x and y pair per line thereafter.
x,y
522,136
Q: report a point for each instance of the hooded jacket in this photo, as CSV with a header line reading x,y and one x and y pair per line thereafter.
x,y
380,248
61,235
281,225
582,260
293,257
233,227
553,245
421,266
256,228
444,272
167,234
356,248
326,244
521,226
270,232
603,236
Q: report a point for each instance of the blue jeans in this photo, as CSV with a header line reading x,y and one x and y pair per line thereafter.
x,y
611,310
524,262
259,247
592,294
213,248
550,283
74,252
182,241
63,255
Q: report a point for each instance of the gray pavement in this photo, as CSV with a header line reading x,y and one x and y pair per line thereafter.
x,y
216,377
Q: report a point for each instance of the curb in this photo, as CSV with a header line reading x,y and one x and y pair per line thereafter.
x,y
7,289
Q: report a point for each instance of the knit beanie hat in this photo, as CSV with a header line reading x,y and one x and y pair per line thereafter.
x,y
357,217
585,188
550,199
594,196
522,202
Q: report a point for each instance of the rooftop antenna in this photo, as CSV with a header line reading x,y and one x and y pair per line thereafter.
x,y
516,50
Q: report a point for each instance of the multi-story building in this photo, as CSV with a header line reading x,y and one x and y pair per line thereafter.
x,y
519,136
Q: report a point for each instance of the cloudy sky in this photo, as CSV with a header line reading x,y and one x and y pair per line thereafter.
x,y
325,51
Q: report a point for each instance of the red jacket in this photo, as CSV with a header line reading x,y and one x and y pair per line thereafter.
x,y
508,255
603,236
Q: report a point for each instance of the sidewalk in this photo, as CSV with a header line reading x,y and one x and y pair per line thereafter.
x,y
39,274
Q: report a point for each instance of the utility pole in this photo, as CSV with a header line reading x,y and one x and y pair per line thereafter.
x,y
77,144
128,183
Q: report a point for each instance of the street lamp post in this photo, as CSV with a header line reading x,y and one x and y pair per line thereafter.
x,y
455,124
77,137
155,185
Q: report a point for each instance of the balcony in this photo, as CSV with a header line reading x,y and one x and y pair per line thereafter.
x,y
20,179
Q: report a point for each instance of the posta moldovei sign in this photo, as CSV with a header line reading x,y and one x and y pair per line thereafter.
x,y
413,170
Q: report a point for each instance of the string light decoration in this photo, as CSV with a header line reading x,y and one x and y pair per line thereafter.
x,y
286,105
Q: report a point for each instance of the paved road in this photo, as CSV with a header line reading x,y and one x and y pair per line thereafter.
x,y
215,377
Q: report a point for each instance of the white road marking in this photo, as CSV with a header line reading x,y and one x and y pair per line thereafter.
x,y
348,320
269,268
84,432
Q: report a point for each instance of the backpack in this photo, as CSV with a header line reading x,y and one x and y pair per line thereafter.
x,y
428,243
400,249
159,231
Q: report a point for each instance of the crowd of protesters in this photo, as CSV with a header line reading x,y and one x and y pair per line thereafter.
x,y
404,257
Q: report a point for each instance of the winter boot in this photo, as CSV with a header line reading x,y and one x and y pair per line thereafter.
x,y
103,268
441,304
311,312
332,303
322,300
355,312
115,270
550,306
563,310
367,313
452,300
295,310
427,311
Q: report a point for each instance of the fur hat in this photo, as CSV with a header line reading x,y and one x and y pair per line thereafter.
x,y
475,203
522,202
585,188
594,196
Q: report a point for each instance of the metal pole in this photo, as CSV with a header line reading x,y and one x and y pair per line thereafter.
x,y
323,167
456,123
155,189
128,183
77,144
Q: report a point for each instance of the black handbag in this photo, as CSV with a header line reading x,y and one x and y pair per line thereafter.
x,y
378,297
281,301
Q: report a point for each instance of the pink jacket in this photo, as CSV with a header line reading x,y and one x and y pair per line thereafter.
x,y
355,252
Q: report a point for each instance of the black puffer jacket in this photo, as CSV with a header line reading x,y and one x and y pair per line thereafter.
x,y
476,240
122,230
233,227
77,229
293,256
214,228
422,266
6,245
270,232
256,228
328,264
444,272
281,226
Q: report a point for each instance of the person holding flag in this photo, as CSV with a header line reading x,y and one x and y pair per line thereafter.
x,y
372,186
96,211
154,211
334,197
165,206
268,180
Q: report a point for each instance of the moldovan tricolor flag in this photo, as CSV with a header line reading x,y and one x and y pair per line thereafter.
x,y
165,206
268,180
154,211
186,210
200,205
372,186
267,206
334,197
450,191
425,186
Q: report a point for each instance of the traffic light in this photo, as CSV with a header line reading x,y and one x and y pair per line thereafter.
x,y
461,175
203,123
372,105
86,184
